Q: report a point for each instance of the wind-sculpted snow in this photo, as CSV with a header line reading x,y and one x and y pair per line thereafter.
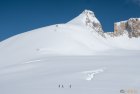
x,y
91,74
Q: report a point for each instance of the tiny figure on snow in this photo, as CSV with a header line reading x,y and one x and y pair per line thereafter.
x,y
62,86
59,86
70,85
56,25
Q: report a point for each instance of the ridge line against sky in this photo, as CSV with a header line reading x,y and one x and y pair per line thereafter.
x,y
19,16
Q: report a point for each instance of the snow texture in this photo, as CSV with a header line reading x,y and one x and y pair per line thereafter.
x,y
69,55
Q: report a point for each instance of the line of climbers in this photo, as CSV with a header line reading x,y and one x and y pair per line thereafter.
x,y
62,86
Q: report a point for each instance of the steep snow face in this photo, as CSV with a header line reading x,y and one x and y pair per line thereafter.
x,y
60,39
87,18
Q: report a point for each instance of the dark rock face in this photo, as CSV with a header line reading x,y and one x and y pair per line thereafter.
x,y
130,27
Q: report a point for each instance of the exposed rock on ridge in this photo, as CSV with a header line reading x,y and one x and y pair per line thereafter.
x,y
130,27
87,18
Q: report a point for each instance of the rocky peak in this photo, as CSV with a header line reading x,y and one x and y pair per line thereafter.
x,y
87,18
90,20
88,12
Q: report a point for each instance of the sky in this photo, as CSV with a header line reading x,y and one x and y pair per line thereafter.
x,y
18,16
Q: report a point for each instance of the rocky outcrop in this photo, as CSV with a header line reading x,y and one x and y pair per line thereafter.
x,y
119,28
87,18
133,27
130,27
92,21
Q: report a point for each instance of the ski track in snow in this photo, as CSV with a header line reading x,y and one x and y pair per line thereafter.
x,y
32,61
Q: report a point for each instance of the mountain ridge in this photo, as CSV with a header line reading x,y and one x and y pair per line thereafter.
x,y
65,39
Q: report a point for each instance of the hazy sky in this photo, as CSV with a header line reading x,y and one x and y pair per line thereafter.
x,y
17,16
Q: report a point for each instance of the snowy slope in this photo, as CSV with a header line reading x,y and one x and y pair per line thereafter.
x,y
76,54
73,38
52,40
59,39
103,74
124,42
